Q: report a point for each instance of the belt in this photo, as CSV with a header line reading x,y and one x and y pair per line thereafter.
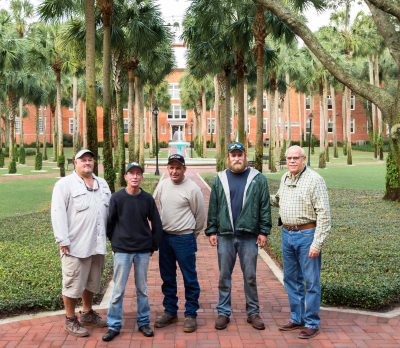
x,y
300,227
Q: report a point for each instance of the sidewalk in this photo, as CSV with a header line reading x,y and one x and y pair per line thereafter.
x,y
337,329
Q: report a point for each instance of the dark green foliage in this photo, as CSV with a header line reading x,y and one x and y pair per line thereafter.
x,y
282,156
12,167
1,159
162,145
360,258
38,161
22,155
67,140
61,165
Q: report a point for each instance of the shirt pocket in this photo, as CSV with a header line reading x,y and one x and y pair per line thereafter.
x,y
79,200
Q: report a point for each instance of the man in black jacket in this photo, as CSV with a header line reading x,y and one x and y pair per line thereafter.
x,y
133,241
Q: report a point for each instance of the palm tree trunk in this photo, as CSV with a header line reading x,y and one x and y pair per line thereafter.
x,y
272,129
55,132
37,130
334,129
374,135
132,129
299,110
153,123
84,126
221,120
138,115
74,112
326,118
260,35
21,134
217,117
348,126
59,115
44,118
240,99
379,113
228,110
141,117
344,124
91,113
12,100
204,121
322,158
289,131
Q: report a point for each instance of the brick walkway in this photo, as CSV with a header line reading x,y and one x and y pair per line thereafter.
x,y
338,329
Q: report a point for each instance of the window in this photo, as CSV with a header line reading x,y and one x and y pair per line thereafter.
x,y
126,129
17,125
211,126
248,126
264,126
174,90
352,126
42,125
330,126
71,126
329,102
308,102
265,101
176,112
352,102
163,130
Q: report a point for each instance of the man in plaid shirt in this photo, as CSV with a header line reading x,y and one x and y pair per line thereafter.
x,y
304,211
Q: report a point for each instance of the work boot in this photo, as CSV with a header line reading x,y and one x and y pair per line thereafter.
x,y
190,324
256,321
165,319
92,318
74,327
221,322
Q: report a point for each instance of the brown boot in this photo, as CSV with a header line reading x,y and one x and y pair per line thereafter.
x,y
165,319
221,322
74,327
190,324
256,321
92,318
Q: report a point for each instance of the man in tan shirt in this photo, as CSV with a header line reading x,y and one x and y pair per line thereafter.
x,y
182,216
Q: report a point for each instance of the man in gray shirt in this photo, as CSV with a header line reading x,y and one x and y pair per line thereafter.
x,y
79,209
182,216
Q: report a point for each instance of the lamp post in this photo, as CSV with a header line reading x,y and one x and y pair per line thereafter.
x,y
310,117
155,113
191,139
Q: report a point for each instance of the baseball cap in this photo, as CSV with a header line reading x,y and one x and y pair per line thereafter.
x,y
82,152
176,157
131,165
236,146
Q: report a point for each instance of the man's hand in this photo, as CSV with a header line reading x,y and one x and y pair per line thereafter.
x,y
314,252
213,239
261,240
64,249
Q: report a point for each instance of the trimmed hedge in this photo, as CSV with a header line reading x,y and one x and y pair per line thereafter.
x,y
360,262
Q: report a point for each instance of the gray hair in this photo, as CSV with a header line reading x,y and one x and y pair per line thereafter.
x,y
296,147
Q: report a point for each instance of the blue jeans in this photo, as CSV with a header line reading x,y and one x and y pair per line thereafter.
x,y
122,266
246,248
301,276
181,249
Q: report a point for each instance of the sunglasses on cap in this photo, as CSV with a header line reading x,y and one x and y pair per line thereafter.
x,y
236,146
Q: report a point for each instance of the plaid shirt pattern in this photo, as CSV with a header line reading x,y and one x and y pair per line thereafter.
x,y
303,199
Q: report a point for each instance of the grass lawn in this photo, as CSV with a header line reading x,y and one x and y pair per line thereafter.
x,y
360,258
30,272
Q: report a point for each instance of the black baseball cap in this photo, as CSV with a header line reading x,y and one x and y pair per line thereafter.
x,y
176,157
131,165
236,146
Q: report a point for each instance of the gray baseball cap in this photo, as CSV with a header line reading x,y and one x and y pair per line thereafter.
x,y
131,165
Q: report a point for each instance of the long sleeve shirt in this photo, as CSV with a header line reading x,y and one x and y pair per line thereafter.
x,y
128,225
303,199
182,207
79,216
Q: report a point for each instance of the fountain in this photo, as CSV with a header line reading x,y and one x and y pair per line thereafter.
x,y
178,145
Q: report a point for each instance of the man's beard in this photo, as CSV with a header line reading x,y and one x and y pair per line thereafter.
x,y
237,167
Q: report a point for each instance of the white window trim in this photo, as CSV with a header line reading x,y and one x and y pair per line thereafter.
x,y
248,126
266,103
330,106
41,129
266,125
353,121
305,102
71,123
171,112
210,125
353,102
17,125
330,121
174,90
126,122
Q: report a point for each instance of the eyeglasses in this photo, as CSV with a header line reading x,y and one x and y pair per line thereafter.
x,y
293,158
90,189
236,146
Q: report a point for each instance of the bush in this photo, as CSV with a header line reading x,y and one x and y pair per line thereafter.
x,y
22,155
1,159
12,167
163,145
67,140
38,161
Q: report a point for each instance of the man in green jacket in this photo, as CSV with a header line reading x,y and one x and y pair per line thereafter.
x,y
239,220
